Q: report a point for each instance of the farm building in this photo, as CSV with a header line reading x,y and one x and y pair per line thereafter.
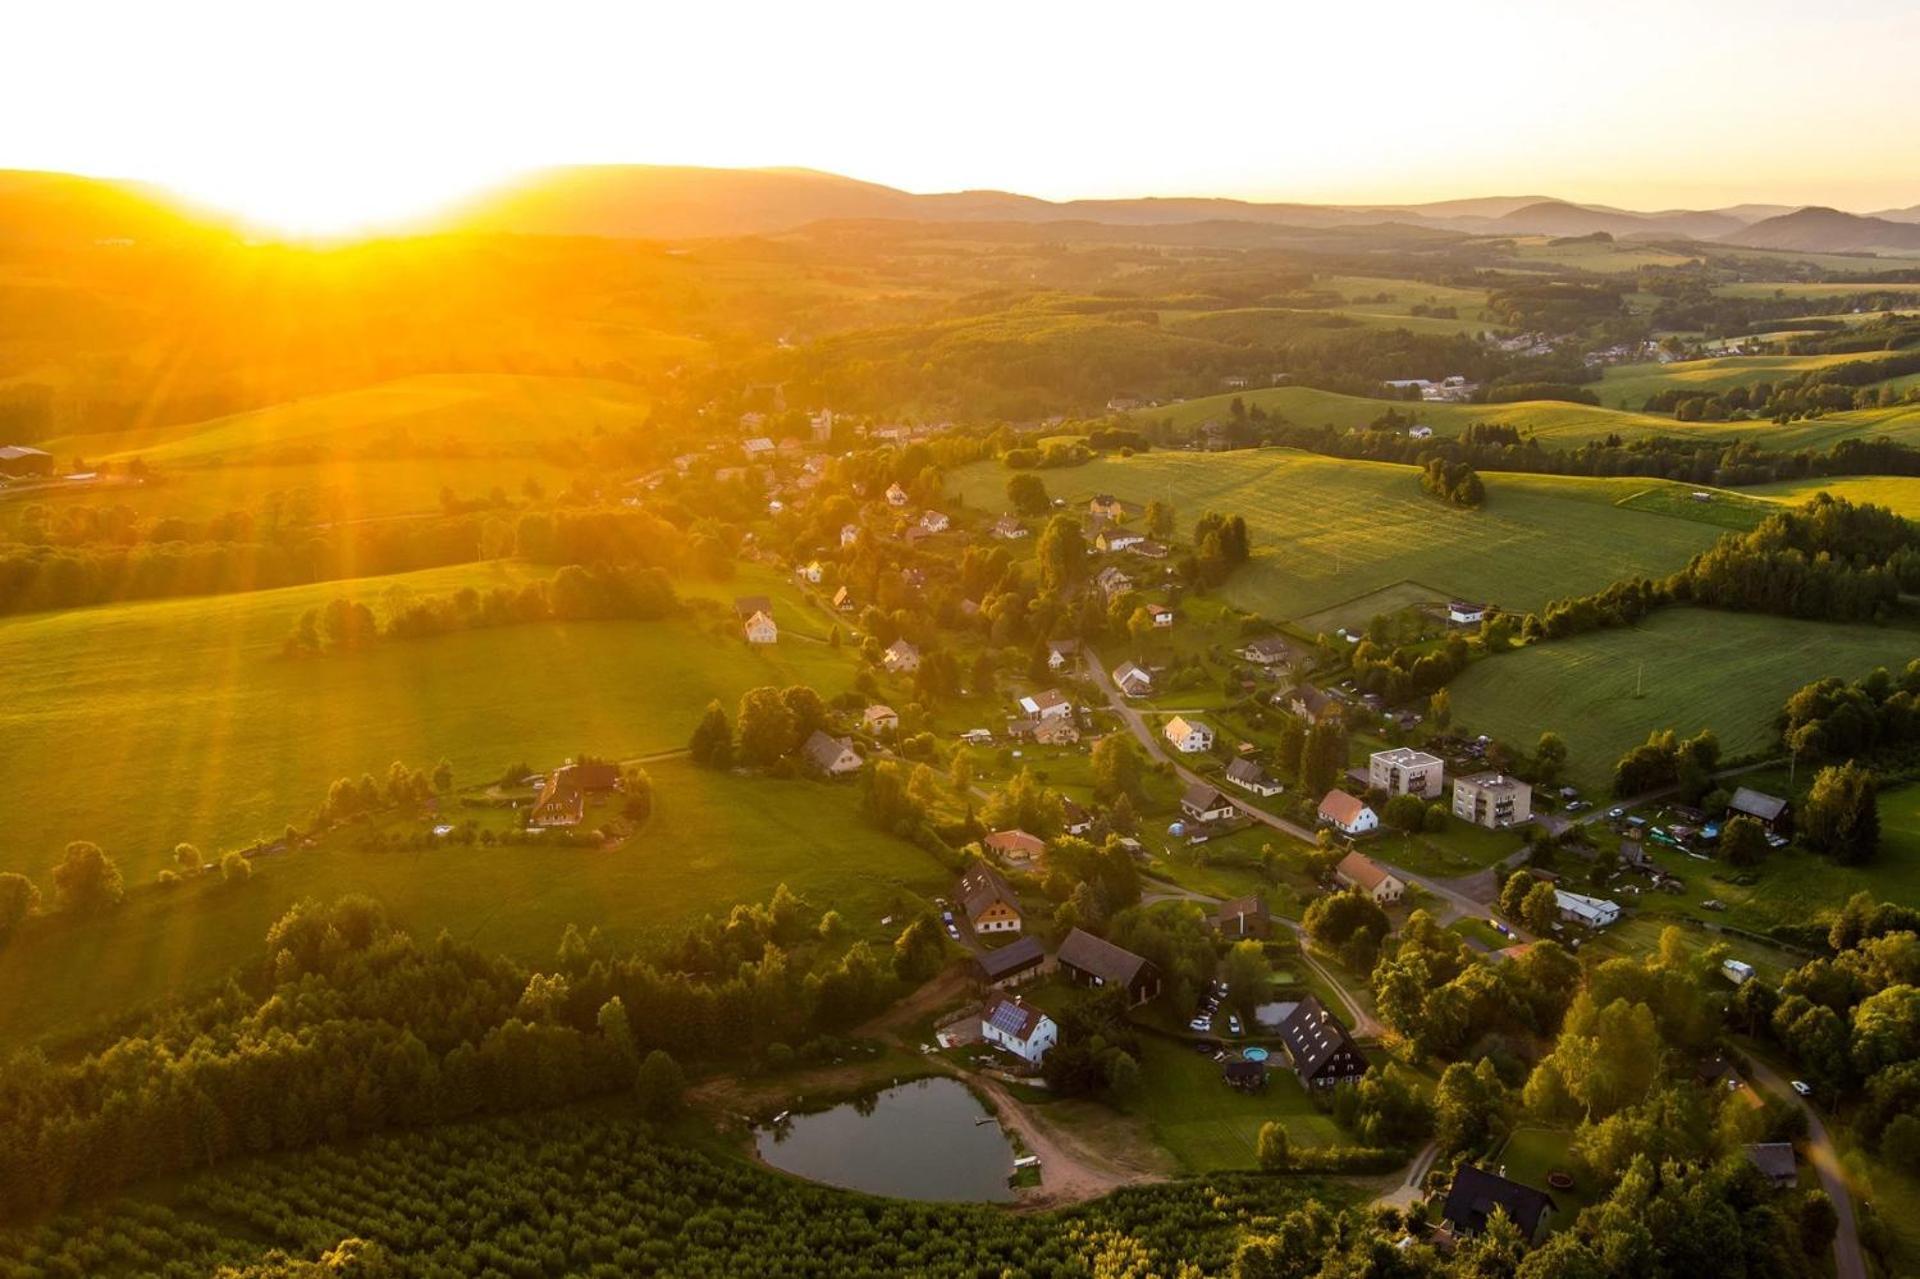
x,y
901,658
1107,505
1269,650
1243,917
831,756
1493,800
1475,1193
1051,704
18,459
1189,737
1770,811
1348,814
563,796
1132,679
1247,1076
1461,613
1062,653
1405,771
1594,912
1014,964
1021,1029
879,718
1112,583
1357,870
1015,846
1737,971
1117,539
1093,961
1151,550
989,901
1318,1046
1249,776
1055,732
1775,1161
1203,803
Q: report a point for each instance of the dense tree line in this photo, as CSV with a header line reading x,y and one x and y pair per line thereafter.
x,y
1456,483
1832,719
1836,388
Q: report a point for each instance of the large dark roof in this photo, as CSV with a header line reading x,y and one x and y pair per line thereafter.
x,y
1475,1193
1757,804
1101,957
1204,797
980,888
1313,1035
1233,908
1010,958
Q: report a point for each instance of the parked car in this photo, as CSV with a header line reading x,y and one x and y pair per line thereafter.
x,y
1233,1023
1802,1087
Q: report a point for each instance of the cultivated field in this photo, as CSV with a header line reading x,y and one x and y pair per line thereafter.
x,y
1327,531
140,725
1726,671
1899,493
1628,386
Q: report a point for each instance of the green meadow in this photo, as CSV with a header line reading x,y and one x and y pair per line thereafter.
x,y
1899,493
137,726
1684,669
1328,531
1628,386
714,839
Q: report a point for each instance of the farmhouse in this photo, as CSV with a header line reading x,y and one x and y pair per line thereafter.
x,y
1357,870
1132,679
1117,539
18,459
1051,704
1188,736
1493,800
1014,964
1021,1029
1770,811
880,718
1475,1193
1061,653
1107,505
1348,814
1311,704
1461,613
831,756
1093,961
1594,912
1248,775
1112,583
760,629
1405,771
1202,803
1008,529
1318,1046
563,796
901,657
989,901
1015,846
1269,650
1243,917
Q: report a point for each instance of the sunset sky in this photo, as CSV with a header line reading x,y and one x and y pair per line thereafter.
x,y
323,115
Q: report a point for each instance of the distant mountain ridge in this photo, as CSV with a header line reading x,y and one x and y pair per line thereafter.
x,y
1826,230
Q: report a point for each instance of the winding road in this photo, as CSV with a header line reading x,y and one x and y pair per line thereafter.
x,y
1847,1261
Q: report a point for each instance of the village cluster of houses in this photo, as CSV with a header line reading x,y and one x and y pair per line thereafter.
x,y
1491,799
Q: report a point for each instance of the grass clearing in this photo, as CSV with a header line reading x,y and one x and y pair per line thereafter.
x,y
1327,530
1898,493
1693,668
1530,1154
1205,1124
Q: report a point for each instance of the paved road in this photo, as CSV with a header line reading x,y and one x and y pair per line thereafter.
x,y
1847,1261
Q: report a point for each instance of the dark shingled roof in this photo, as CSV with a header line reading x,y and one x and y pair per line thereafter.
x,y
1755,804
1775,1159
1475,1193
980,888
1205,798
1101,957
1011,958
1312,1035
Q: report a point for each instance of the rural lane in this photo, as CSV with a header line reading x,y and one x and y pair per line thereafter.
x,y
1847,1261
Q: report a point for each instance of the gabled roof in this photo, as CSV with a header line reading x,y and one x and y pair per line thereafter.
x,y
1011,840
1010,958
1203,797
824,751
1127,671
1044,701
1313,1035
1774,1158
1757,804
1180,726
1312,699
1341,808
981,889
901,648
1064,647
1102,958
1254,907
1012,1018
747,605
1475,1193
1245,770
1364,871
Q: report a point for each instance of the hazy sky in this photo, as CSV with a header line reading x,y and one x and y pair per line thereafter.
x,y
322,112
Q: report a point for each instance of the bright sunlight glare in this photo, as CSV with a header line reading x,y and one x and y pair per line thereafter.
x,y
330,200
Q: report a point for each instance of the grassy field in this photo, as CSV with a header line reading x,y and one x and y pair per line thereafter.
x,y
1896,492
1326,531
454,413
1530,1154
714,840
1696,669
1205,1124
1627,386
137,726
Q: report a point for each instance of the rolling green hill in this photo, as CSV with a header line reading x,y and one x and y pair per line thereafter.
x,y
1627,386
1328,531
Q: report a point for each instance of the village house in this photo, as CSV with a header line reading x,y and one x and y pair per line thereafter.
x,y
1311,704
1055,732
1021,1029
1243,1075
1357,870
760,629
896,496
1008,529
1051,704
1132,679
1405,771
1203,803
1249,776
1594,912
1318,1046
1348,814
1242,917
1189,737
1775,1161
934,522
880,718
1015,847
1161,614
1151,550
1475,1193
849,534
1075,819
1014,964
1091,961
1117,539
810,572
1268,650
1062,653
1461,613
901,658
1107,506
843,601
1112,583
1493,800
831,756
990,904
757,447
563,795
1770,811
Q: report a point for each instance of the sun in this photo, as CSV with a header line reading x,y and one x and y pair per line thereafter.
x,y
331,201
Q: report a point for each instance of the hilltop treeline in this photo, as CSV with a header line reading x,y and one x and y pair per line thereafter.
x,y
1834,719
346,1026
1834,389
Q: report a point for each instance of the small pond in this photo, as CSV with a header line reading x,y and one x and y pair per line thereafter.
x,y
913,1141
1269,1016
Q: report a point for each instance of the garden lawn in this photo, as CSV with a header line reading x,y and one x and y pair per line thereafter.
x,y
1694,669
714,840
1205,1124
1530,1154
141,725
1326,531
